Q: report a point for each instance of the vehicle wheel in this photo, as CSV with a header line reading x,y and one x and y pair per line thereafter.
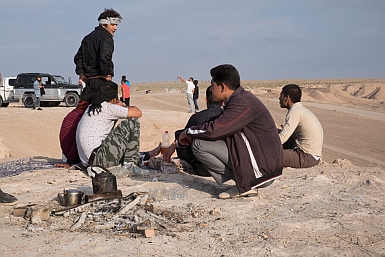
x,y
71,99
29,100
1,102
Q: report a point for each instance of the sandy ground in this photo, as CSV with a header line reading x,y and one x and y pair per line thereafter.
x,y
334,209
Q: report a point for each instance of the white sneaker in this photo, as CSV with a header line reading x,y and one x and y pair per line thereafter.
x,y
233,193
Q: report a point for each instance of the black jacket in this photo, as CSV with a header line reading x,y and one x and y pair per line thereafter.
x,y
94,57
196,92
185,153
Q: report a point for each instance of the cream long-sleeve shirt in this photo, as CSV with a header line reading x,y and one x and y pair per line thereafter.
x,y
302,125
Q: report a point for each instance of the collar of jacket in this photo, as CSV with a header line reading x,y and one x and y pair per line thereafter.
x,y
100,27
237,91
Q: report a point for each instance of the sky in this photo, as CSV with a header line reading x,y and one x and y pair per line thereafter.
x,y
160,40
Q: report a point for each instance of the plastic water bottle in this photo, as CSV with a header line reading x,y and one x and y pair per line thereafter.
x,y
165,141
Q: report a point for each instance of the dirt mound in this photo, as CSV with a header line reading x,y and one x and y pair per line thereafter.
x,y
350,89
318,95
364,91
378,94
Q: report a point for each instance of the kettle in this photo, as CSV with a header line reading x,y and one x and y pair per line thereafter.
x,y
104,182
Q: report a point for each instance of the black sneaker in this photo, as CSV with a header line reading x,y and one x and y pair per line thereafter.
x,y
7,199
39,109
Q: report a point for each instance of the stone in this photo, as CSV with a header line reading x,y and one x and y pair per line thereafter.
x,y
149,233
41,211
19,211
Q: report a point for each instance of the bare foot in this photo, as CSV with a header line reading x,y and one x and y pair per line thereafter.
x,y
62,165
155,151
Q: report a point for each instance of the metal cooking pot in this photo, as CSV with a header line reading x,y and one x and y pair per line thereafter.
x,y
72,197
104,183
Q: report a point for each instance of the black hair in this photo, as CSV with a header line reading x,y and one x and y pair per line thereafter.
x,y
109,13
210,97
108,90
195,82
294,91
227,74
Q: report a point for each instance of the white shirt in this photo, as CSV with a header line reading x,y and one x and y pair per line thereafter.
x,y
92,130
190,87
302,125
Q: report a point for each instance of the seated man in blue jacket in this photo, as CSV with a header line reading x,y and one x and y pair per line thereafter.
x,y
242,144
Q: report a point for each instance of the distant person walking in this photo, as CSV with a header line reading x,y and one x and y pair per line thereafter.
x,y
196,95
37,85
126,91
189,91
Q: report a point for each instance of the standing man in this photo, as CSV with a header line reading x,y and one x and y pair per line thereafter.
x,y
190,91
37,85
94,58
302,134
241,144
196,95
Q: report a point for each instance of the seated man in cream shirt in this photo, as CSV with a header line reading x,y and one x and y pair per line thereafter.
x,y
302,134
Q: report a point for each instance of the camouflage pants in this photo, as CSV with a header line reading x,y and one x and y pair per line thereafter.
x,y
121,145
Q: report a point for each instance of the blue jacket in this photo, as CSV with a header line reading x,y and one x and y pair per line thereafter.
x,y
36,88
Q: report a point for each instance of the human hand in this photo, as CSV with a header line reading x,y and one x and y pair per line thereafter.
x,y
184,139
120,103
169,152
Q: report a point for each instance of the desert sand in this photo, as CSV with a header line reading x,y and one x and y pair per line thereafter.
x,y
333,209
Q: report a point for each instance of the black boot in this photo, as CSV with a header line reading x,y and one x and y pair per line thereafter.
x,y
7,199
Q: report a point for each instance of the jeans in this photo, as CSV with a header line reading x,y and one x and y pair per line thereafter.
x,y
37,102
196,104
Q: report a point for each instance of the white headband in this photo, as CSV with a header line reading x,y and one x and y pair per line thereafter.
x,y
110,20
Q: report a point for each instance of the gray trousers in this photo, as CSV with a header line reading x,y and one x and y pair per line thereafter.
x,y
215,157
190,102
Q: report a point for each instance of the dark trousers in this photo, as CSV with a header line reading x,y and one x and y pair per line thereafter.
x,y
127,101
296,158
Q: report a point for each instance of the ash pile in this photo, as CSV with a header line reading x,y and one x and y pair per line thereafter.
x,y
133,214
138,214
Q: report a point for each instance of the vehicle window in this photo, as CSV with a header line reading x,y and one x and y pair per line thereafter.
x,y
60,80
32,79
46,80
12,82
22,80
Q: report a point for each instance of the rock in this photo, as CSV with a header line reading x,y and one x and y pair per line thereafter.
x,y
149,233
342,162
19,211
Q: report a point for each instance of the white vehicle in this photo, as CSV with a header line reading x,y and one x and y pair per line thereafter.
x,y
6,91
